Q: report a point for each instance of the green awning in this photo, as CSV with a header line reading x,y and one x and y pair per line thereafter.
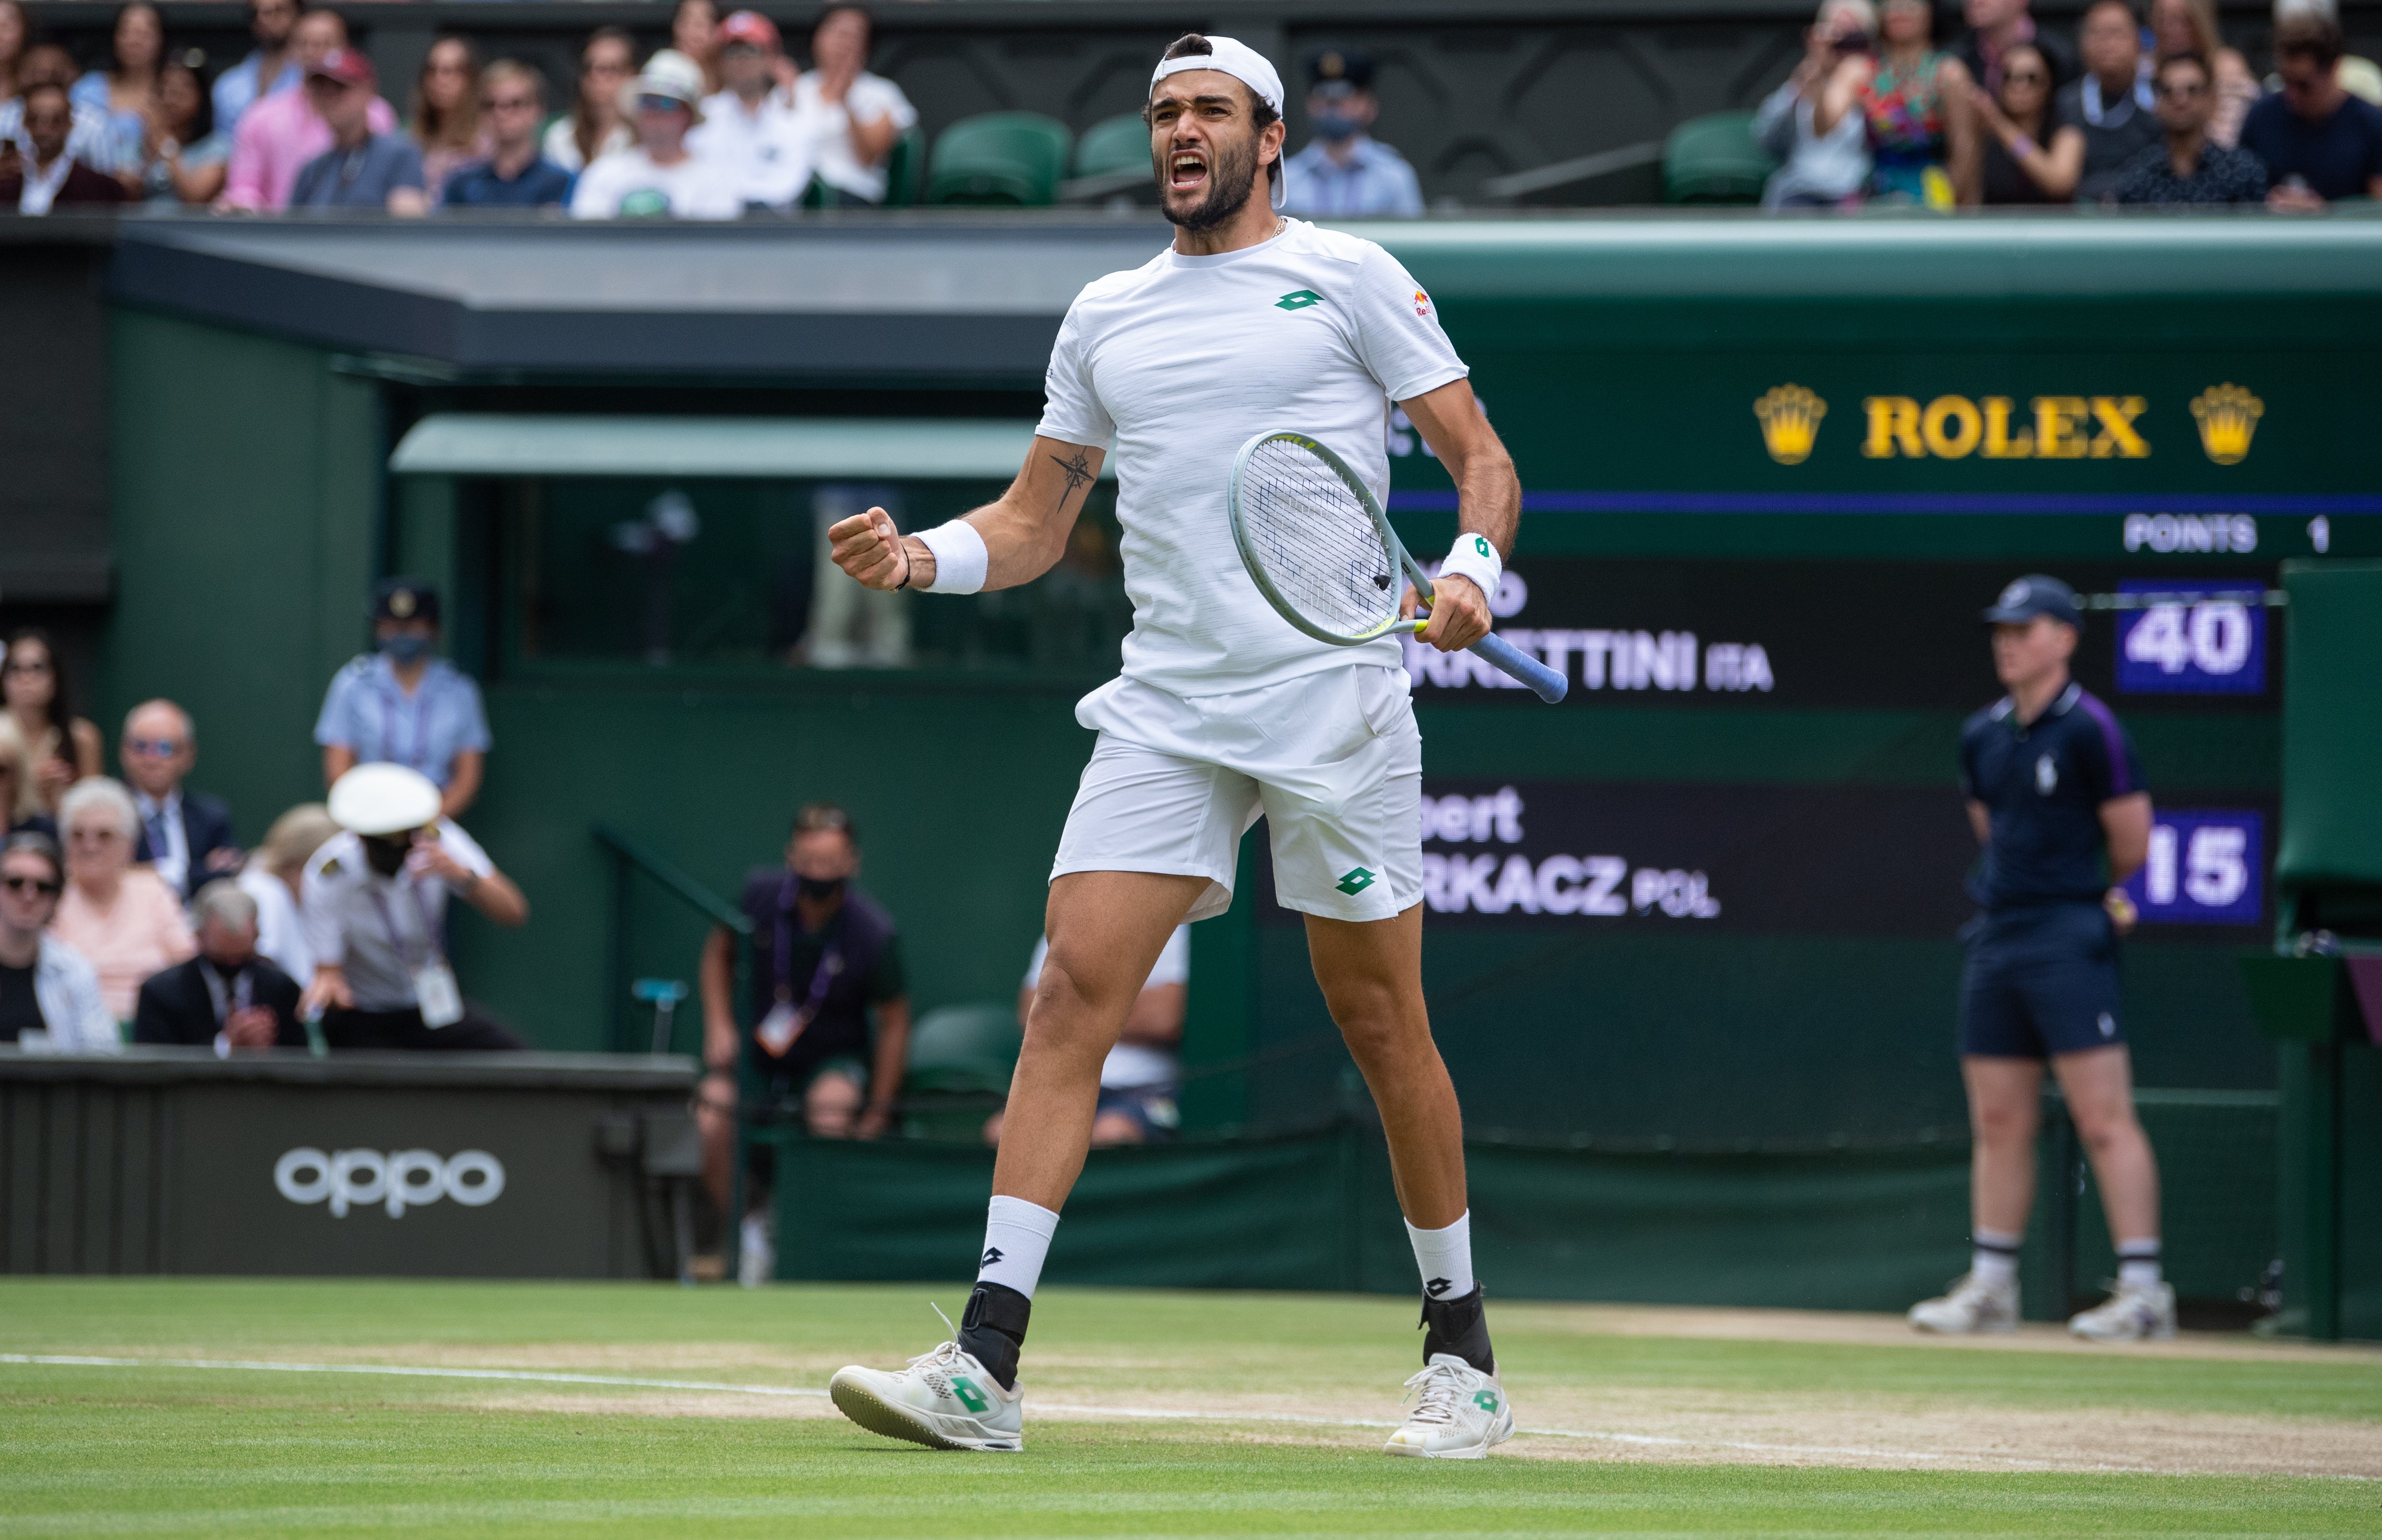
x,y
906,448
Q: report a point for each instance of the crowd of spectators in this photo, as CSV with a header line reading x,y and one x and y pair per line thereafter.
x,y
2147,108
724,123
719,124
130,909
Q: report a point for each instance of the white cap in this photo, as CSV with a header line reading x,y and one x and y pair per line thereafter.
x,y
1235,58
1246,65
672,74
384,799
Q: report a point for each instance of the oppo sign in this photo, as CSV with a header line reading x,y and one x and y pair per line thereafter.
x,y
398,1181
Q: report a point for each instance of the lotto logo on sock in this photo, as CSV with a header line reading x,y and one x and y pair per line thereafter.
x,y
991,1256
1437,1287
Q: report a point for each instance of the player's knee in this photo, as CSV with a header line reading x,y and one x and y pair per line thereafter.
x,y
2102,1128
1076,1011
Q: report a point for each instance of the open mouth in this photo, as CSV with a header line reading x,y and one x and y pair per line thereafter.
x,y
1187,171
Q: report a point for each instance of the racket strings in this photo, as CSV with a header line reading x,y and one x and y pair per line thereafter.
x,y
1317,543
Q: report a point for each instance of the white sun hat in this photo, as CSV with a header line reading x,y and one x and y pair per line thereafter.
x,y
384,799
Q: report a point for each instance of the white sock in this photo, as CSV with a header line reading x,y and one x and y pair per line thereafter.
x,y
1995,1261
2137,1264
1016,1238
1445,1258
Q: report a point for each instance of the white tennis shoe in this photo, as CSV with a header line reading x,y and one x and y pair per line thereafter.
x,y
945,1399
2134,1314
1971,1305
1459,1412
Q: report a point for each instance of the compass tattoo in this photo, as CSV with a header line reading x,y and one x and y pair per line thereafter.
x,y
1079,473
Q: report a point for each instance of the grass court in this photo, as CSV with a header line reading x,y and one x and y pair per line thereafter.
x,y
604,1409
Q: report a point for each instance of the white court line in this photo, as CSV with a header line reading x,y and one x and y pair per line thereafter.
x,y
1063,1408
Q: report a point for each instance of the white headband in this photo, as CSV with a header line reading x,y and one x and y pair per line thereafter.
x,y
1250,67
1235,58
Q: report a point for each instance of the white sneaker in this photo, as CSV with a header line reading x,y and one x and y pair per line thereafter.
x,y
1459,1412
1971,1305
2133,1313
945,1400
757,1252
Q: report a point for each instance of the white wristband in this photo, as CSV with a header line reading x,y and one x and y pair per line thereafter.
x,y
960,558
1475,558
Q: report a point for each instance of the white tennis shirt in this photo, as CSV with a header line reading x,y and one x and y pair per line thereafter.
x,y
1182,360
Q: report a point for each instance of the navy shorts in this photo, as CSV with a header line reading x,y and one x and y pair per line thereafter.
x,y
1152,1107
2041,982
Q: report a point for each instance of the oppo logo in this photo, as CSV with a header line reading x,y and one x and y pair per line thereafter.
x,y
398,1181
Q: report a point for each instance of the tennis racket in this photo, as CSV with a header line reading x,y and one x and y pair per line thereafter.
x,y
1321,551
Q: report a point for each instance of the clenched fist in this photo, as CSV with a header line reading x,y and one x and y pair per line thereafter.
x,y
878,555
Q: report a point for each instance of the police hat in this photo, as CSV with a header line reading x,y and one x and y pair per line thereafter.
x,y
384,799
405,599
2036,595
1342,67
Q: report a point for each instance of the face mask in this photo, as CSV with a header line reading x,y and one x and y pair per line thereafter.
x,y
818,889
386,856
406,649
1336,128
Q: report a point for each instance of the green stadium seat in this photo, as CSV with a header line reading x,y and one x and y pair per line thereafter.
x,y
1713,159
998,158
961,1058
1119,143
904,168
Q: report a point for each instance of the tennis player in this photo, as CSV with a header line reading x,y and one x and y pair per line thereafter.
x,y
1224,712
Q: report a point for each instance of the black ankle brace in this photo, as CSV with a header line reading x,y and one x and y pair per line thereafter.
x,y
1458,1326
993,1328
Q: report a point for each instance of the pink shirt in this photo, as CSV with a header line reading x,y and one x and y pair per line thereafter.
x,y
273,144
143,932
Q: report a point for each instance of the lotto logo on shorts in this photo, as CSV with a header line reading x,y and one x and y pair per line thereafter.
x,y
1355,882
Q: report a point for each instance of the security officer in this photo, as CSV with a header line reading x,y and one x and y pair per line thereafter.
x,y
375,912
1346,173
2056,796
404,705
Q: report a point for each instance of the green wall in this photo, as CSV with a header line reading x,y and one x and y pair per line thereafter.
x,y
247,487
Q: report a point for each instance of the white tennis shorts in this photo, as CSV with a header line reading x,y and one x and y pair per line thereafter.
x,y
1333,761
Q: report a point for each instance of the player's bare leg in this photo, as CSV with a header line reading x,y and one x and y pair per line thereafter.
x,y
1106,930
2099,1086
1371,977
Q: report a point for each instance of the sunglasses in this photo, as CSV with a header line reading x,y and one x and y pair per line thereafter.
x,y
2190,88
156,748
32,884
661,104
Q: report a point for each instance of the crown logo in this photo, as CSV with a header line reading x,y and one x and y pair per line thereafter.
x,y
1790,422
2228,416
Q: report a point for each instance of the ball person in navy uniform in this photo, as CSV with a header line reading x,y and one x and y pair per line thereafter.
x,y
2057,801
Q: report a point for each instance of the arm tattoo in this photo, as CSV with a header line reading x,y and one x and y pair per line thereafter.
x,y
1079,473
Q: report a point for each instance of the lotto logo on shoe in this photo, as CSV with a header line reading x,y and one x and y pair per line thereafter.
x,y
396,1181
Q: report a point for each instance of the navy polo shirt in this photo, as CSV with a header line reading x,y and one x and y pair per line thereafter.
x,y
2043,785
2337,158
477,185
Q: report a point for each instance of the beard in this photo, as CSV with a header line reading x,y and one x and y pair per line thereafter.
x,y
1232,176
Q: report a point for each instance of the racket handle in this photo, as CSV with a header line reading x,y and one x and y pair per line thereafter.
x,y
1551,687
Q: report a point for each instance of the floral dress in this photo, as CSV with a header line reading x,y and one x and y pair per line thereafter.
x,y
1904,114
